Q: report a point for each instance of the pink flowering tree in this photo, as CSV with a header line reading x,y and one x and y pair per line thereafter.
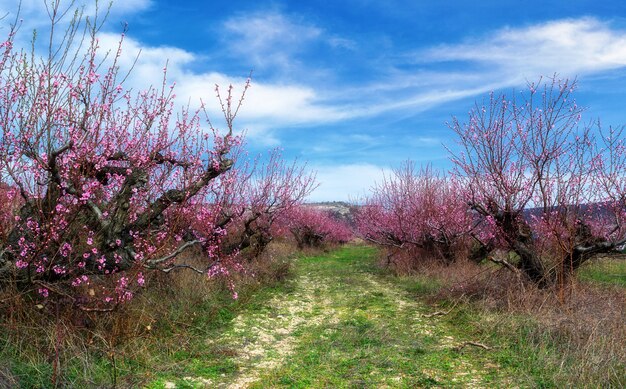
x,y
312,227
262,192
609,185
100,172
419,212
548,190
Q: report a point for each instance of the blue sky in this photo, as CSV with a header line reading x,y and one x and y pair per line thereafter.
x,y
355,87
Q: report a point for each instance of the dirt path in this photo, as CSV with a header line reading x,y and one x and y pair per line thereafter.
x,y
344,326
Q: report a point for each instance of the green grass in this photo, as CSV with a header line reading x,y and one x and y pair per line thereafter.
x,y
368,332
340,321
378,343
606,271
202,358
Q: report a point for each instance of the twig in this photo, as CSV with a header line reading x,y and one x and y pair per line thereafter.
x,y
470,343
441,313
438,313
96,309
153,262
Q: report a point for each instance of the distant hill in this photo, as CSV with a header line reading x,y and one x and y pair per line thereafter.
x,y
338,209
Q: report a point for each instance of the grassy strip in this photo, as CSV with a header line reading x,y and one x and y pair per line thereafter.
x,y
200,356
542,341
605,271
380,336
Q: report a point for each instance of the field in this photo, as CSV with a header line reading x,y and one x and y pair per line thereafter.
x,y
341,320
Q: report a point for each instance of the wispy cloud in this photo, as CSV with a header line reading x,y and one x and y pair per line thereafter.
x,y
277,42
508,58
282,45
130,6
34,12
569,47
270,38
504,58
267,105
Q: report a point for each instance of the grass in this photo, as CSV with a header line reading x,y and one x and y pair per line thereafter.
x,y
545,341
340,320
198,356
605,271
351,326
161,334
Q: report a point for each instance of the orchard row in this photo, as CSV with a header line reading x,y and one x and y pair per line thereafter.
x,y
102,186
532,188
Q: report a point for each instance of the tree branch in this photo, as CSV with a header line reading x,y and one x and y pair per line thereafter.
x,y
176,267
154,262
504,263
177,196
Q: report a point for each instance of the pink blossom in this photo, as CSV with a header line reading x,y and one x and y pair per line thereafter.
x,y
140,280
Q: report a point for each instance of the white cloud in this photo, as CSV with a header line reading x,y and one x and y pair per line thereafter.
x,y
269,38
150,60
512,56
427,141
569,47
266,105
284,105
507,57
348,182
130,6
37,15
422,100
275,42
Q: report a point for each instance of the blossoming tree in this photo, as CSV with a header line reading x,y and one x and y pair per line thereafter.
x,y
312,227
99,171
263,192
551,190
417,209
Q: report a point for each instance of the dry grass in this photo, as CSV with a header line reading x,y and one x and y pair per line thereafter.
x,y
413,260
42,346
578,334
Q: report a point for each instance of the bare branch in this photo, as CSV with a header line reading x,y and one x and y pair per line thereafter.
x,y
177,267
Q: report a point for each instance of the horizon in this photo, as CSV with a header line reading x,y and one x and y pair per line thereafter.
x,y
354,89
